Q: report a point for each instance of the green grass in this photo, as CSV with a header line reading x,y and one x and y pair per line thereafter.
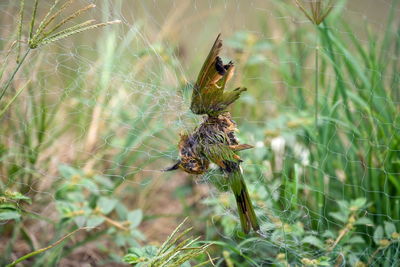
x,y
89,120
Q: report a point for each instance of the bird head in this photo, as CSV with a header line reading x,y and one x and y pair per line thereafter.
x,y
190,165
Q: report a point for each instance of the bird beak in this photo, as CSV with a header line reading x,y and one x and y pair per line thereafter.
x,y
173,167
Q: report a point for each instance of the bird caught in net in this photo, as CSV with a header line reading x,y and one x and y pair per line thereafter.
x,y
214,140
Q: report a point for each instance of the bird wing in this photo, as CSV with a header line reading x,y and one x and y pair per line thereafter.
x,y
222,155
208,93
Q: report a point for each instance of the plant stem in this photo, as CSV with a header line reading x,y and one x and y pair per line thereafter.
x,y
14,73
321,187
87,239
343,232
316,84
34,253
12,100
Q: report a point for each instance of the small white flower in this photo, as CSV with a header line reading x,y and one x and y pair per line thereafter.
x,y
278,147
302,153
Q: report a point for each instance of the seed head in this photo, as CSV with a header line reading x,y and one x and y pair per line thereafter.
x,y
317,10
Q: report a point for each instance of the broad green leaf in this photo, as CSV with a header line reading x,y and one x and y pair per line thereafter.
x,y
390,228
136,252
135,218
364,221
102,180
121,240
343,205
358,203
314,241
356,240
378,234
329,234
339,216
150,251
9,215
94,221
80,220
137,234
324,263
17,196
7,206
90,185
106,204
121,210
132,259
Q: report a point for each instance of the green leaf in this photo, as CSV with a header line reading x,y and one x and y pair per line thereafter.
x,y
7,206
67,171
137,234
94,221
133,259
121,210
136,251
314,241
135,255
358,203
324,261
339,216
90,185
356,240
378,234
102,180
9,215
135,218
150,251
80,220
390,228
328,234
106,204
343,205
120,240
17,196
364,221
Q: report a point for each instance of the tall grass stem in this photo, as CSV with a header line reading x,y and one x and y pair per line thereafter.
x,y
9,81
316,84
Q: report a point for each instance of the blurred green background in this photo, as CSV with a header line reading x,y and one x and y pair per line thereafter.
x,y
89,121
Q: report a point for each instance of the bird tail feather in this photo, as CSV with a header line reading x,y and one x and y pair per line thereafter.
x,y
248,218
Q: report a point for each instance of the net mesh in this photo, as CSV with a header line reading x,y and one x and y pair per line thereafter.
x,y
97,115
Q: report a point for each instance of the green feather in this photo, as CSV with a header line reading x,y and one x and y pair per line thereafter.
x,y
248,218
224,156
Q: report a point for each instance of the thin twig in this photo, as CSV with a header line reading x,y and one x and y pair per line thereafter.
x,y
115,223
